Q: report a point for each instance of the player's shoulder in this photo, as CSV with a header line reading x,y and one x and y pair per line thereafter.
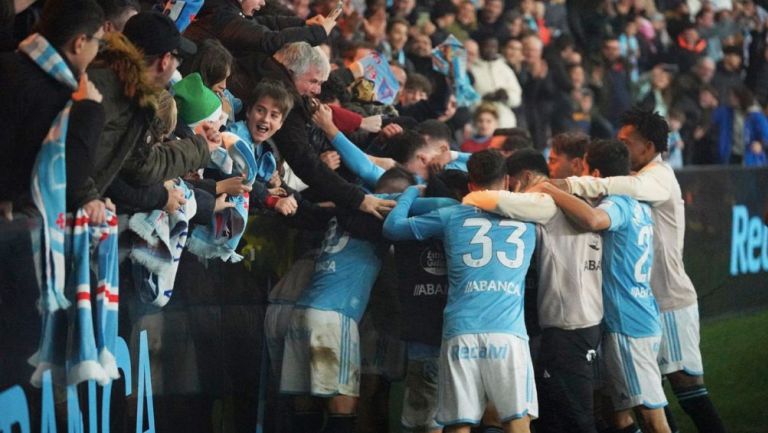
x,y
659,168
639,212
616,200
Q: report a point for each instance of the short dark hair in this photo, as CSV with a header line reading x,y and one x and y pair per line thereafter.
x,y
396,21
527,159
649,124
515,142
394,174
486,167
608,37
63,20
274,90
213,61
448,183
744,97
610,156
416,81
570,144
114,8
435,129
403,146
334,88
442,8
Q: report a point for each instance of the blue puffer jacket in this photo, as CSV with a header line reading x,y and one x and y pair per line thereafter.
x,y
755,129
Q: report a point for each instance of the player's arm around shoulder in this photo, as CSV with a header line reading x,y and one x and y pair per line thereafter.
x,y
580,212
652,184
532,206
396,226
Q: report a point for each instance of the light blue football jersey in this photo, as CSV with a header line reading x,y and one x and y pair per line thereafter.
x,y
459,163
488,257
345,272
630,307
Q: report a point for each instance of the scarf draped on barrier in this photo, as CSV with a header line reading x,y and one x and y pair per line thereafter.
x,y
70,337
157,250
49,175
221,237
86,351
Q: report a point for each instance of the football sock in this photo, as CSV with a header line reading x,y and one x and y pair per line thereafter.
x,y
696,403
340,424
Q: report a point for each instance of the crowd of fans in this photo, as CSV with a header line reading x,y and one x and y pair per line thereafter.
x,y
266,108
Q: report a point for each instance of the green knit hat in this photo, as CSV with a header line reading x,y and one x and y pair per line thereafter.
x,y
195,102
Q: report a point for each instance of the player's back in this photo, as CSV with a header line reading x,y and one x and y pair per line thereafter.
x,y
345,272
488,257
670,282
630,306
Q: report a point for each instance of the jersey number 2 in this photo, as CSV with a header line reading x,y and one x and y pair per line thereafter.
x,y
486,243
644,239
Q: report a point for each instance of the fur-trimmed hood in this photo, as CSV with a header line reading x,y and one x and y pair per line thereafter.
x,y
126,61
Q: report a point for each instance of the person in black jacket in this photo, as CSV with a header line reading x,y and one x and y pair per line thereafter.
x,y
303,69
234,24
31,100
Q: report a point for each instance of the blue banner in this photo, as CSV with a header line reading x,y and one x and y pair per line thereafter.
x,y
377,70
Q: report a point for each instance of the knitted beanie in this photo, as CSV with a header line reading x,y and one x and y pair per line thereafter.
x,y
195,102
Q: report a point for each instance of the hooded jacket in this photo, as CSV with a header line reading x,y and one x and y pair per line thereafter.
x,y
127,148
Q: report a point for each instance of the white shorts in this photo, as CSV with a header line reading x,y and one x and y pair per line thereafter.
x,y
322,354
680,338
476,369
633,374
420,399
277,320
380,354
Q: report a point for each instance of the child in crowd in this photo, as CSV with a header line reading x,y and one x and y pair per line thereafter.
x,y
484,122
674,157
755,155
630,48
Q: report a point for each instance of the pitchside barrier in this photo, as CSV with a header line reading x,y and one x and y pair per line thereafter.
x,y
198,364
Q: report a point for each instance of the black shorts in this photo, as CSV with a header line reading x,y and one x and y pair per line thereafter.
x,y
573,351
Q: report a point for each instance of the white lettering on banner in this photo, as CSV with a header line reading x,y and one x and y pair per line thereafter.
x,y
749,243
508,287
15,407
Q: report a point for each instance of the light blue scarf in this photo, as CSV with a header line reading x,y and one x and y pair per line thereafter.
x,y
157,252
221,237
49,175
70,338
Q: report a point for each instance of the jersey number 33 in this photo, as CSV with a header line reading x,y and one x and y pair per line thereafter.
x,y
487,250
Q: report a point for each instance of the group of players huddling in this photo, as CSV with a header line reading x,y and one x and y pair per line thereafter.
x,y
600,224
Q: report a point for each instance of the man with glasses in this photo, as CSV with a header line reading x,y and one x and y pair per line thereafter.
x,y
37,83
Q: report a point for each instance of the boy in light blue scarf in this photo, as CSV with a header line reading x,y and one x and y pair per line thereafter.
x,y
242,153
